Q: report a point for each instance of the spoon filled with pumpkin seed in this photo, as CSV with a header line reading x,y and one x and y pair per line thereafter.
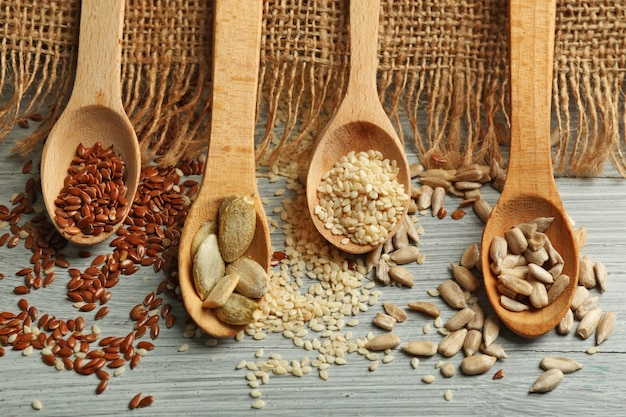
x,y
224,250
529,254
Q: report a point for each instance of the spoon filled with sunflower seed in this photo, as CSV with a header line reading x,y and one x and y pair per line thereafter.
x,y
529,254
224,250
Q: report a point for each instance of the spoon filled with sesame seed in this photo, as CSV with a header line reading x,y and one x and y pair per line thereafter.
x,y
91,161
358,179
212,295
517,239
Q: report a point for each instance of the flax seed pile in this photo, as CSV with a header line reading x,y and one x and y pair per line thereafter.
x,y
316,298
148,238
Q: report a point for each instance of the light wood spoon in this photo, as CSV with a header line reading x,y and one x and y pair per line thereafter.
x,y
94,112
530,190
230,166
360,122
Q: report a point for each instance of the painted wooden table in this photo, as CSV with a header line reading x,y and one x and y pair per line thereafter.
x,y
194,374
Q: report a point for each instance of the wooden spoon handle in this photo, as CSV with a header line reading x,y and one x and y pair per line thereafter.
x,y
364,21
237,40
532,26
98,69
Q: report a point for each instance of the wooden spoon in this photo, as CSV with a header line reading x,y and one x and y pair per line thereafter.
x,y
94,112
530,190
230,167
359,123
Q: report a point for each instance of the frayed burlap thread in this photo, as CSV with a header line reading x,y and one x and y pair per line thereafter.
x,y
442,66
165,69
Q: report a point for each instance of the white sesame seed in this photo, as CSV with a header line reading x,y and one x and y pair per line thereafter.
x,y
258,404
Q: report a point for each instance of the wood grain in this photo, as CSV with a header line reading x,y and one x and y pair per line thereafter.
x,y
203,380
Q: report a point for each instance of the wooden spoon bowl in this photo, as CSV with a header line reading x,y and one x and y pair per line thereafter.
x,y
530,190
231,167
359,123
94,112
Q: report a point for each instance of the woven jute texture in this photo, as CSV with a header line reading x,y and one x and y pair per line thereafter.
x,y
442,67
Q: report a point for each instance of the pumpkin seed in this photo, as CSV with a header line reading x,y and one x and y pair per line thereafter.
x,y
207,228
208,266
253,280
237,224
238,310
221,291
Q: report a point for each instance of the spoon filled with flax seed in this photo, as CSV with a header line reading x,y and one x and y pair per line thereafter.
x,y
530,195
358,176
91,160
229,179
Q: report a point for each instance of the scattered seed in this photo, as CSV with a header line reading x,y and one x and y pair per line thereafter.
x,y
605,327
548,381
428,379
565,365
258,404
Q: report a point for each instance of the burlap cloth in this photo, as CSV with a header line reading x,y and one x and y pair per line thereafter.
x,y
442,67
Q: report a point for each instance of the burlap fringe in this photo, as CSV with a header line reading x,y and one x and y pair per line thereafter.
x,y
443,67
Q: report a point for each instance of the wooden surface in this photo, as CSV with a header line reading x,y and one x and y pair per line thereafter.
x,y
203,380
